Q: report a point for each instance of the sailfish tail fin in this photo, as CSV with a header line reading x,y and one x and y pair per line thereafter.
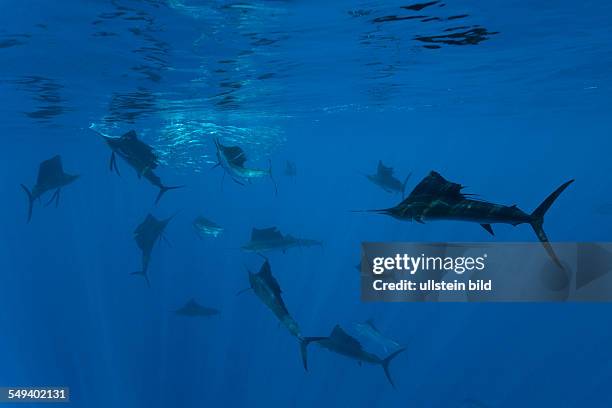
x,y
537,220
304,342
163,190
385,364
30,201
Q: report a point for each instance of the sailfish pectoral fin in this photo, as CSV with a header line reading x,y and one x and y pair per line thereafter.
x,y
165,239
488,228
113,164
54,197
237,181
30,201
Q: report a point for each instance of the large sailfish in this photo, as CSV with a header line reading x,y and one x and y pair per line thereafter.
x,y
436,198
51,176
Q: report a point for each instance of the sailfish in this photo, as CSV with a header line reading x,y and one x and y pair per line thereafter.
x,y
268,290
269,239
340,342
146,236
51,176
385,179
232,160
193,309
139,155
436,198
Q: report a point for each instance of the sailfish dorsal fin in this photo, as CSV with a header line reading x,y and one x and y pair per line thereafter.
x,y
434,186
266,234
50,170
384,171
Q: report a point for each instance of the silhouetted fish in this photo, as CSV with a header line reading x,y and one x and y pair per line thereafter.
x,y
51,176
269,239
268,290
385,179
436,198
139,155
146,236
194,309
204,226
342,343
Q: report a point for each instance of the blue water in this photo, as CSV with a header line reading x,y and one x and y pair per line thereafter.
x,y
334,87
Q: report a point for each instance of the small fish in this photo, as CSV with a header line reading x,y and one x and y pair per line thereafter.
x,y
270,239
205,227
385,179
51,176
194,309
